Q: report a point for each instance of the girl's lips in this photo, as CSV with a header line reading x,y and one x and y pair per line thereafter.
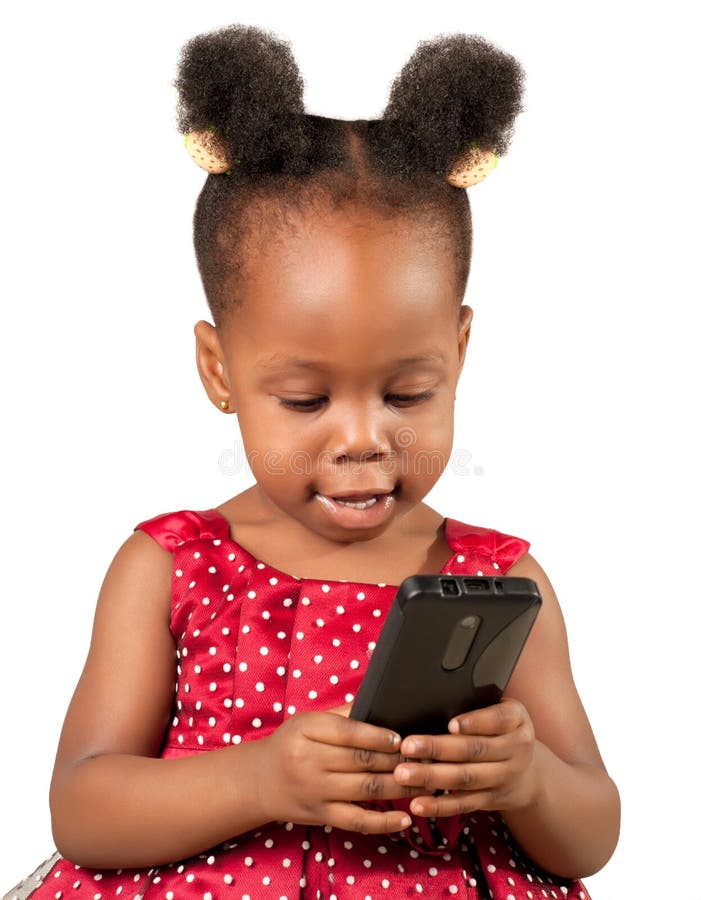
x,y
365,511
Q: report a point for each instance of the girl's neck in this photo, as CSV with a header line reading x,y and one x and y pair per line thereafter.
x,y
414,545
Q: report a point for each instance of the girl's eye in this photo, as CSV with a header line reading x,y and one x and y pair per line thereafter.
x,y
310,405
408,399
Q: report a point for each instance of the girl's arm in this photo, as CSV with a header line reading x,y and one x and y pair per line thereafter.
x,y
572,826
533,757
114,804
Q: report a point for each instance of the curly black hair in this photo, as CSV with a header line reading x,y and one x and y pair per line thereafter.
x,y
455,93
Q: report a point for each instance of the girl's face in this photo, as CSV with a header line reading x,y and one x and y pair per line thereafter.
x,y
341,362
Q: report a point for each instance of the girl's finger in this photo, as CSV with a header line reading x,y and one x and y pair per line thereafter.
x,y
500,718
454,804
359,759
364,787
351,817
450,776
344,732
456,748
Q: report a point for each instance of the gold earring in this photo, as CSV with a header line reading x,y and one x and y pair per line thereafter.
x,y
224,404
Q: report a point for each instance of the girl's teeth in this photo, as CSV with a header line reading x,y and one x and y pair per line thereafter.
x,y
358,504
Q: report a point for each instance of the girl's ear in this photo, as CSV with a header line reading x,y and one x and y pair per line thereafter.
x,y
464,325
210,365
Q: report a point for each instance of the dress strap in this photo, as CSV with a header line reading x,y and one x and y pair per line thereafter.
x,y
483,549
172,529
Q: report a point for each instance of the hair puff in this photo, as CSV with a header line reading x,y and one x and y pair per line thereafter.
x,y
456,92
244,83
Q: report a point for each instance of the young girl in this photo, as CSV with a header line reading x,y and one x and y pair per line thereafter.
x,y
334,256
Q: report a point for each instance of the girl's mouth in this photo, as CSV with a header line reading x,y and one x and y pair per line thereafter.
x,y
358,510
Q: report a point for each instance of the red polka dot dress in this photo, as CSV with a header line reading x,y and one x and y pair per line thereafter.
x,y
256,645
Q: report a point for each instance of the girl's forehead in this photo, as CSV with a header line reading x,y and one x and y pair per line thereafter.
x,y
345,263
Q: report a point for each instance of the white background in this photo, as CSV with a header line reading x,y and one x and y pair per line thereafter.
x,y
577,408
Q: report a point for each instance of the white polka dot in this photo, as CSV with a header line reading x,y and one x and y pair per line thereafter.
x,y
377,613
340,610
228,703
212,721
260,687
281,635
336,642
356,628
197,554
265,615
280,670
433,871
225,631
243,666
190,878
179,573
197,669
226,667
263,651
205,601
296,673
333,679
354,664
273,580
385,882
251,595
228,879
349,698
248,861
213,686
312,695
350,879
256,722
236,739
305,601
299,635
226,738
287,601
245,629
360,596
277,706
212,651
461,558
291,710
266,880
320,623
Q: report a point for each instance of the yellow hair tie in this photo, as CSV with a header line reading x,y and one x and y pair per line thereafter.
x,y
471,168
207,151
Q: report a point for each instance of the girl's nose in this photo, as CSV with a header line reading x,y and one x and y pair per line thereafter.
x,y
360,433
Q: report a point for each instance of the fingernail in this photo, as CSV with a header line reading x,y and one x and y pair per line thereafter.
x,y
454,726
406,822
401,773
395,739
417,807
410,747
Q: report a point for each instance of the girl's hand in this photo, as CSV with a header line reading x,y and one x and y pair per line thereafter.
x,y
318,766
486,762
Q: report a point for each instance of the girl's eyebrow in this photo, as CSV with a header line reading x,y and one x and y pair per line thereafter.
x,y
282,361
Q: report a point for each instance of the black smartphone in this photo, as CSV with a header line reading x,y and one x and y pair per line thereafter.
x,y
448,645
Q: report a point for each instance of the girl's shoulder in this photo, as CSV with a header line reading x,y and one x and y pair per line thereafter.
x,y
172,529
475,549
482,551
